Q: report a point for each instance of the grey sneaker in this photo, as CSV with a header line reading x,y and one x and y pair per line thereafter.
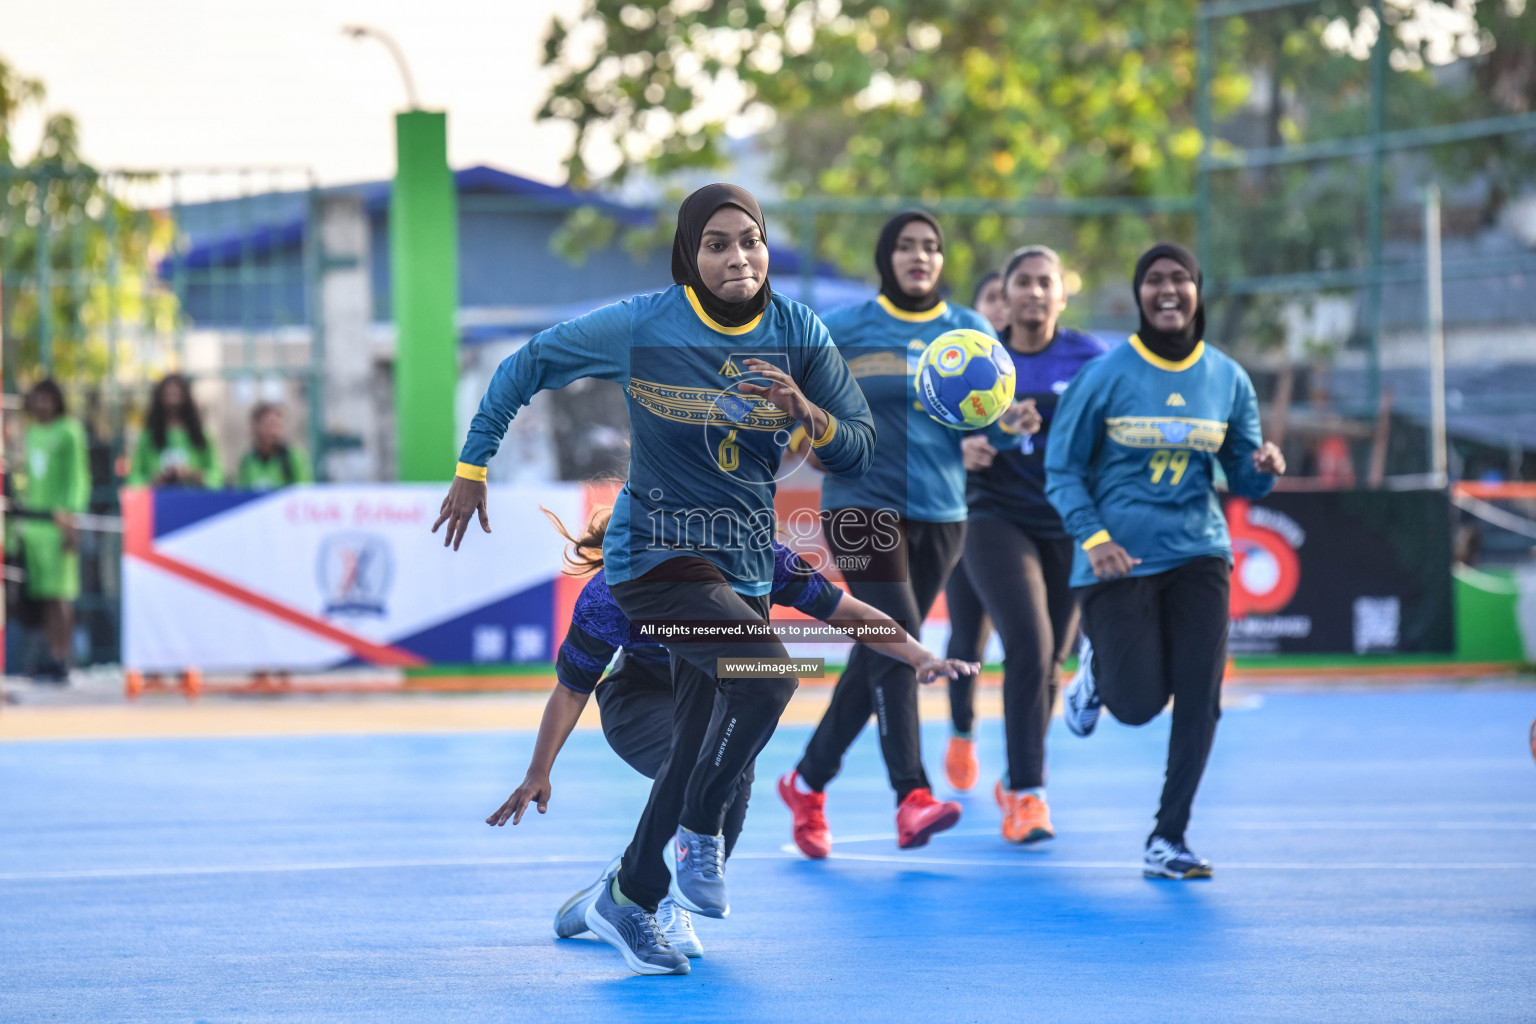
x,y
633,931
572,916
696,863
677,923
1167,859
1080,704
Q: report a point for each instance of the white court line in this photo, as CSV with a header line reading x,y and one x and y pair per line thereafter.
x,y
1256,826
1121,865
261,869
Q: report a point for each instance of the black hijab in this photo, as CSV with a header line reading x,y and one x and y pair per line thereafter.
x,y
885,248
1177,345
691,218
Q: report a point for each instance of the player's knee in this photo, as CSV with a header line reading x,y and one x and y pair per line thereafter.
x,y
1137,711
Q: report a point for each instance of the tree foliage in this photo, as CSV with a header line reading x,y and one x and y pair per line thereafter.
x,y
75,261
1006,99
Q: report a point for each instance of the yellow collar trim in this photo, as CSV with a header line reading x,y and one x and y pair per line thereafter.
x,y
1167,364
912,318
693,300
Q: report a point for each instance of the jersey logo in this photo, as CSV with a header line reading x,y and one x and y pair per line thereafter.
x,y
1175,399
917,343
730,369
1166,431
1060,386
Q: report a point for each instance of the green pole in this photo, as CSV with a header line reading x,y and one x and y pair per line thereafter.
x,y
423,259
1376,186
1206,124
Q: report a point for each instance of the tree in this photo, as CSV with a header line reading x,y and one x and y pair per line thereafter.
x,y
1006,99
74,259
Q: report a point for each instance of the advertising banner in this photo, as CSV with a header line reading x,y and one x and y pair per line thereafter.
x,y
1342,572
323,576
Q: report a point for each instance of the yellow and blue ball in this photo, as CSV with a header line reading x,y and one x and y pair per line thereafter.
x,y
965,379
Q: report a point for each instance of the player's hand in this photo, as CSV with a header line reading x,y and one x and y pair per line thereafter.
x,y
535,789
69,532
976,452
465,499
1268,459
936,667
1022,417
785,395
1110,561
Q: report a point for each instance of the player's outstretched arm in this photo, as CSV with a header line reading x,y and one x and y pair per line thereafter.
x,y
852,614
560,714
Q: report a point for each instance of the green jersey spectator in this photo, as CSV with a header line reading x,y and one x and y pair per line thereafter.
x,y
272,462
54,484
173,451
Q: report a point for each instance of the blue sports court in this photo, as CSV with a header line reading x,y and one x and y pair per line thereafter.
x,y
1375,859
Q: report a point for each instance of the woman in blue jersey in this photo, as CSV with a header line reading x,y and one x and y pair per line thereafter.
x,y
1018,555
717,372
1131,467
895,532
635,698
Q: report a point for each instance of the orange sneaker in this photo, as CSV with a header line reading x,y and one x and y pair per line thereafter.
x,y
809,810
920,816
1026,818
960,764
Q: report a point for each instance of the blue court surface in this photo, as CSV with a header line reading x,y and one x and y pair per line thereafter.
x,y
1375,860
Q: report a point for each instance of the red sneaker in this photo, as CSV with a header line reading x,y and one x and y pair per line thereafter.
x,y
809,809
920,816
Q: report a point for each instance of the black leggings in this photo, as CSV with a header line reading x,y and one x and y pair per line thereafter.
x,y
969,631
719,726
635,701
1025,585
1162,636
907,565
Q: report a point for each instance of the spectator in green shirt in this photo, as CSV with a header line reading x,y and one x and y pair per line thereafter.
x,y
54,485
272,462
173,451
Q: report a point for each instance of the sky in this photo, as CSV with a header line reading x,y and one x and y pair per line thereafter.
x,y
161,84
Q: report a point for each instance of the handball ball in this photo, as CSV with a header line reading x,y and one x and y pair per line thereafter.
x,y
965,379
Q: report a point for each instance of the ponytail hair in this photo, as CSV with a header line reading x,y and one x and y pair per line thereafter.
x,y
583,555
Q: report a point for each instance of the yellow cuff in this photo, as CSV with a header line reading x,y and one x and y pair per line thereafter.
x,y
826,439
1102,537
797,437
469,472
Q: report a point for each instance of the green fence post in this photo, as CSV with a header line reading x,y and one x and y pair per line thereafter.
x,y
423,257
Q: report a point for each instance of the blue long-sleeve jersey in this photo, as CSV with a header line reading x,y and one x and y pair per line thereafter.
x,y
599,627
1013,487
917,468
702,454
1132,453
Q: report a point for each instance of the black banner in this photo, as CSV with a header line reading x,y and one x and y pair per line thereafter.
x,y
1342,572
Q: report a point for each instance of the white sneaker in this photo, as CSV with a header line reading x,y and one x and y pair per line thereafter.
x,y
1080,704
677,924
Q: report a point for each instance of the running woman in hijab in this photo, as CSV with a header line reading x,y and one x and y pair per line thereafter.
x,y
635,698
1131,467
717,370
969,627
1018,555
895,533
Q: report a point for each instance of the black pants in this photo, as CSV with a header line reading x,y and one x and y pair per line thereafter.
x,y
635,701
969,630
1162,636
1025,585
907,567
719,726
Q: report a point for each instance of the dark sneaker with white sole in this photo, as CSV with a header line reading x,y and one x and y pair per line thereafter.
x,y
633,931
696,863
1080,704
1167,859
571,919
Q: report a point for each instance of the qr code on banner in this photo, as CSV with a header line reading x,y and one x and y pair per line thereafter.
x,y
1378,621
